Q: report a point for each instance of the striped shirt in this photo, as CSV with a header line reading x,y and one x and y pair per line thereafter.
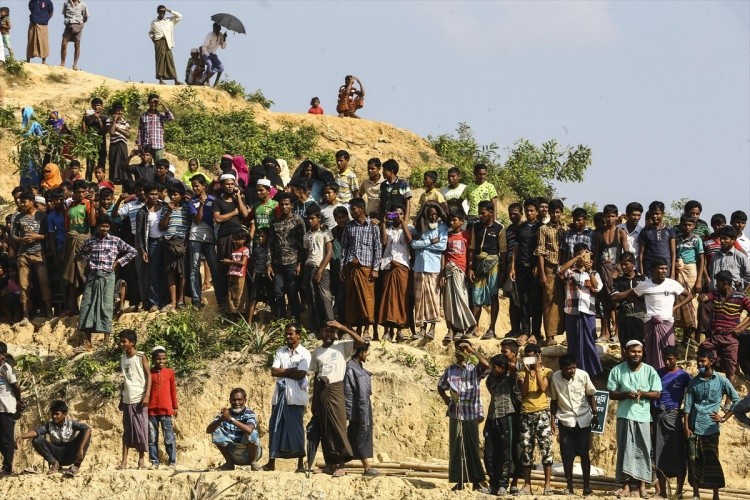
x,y
179,220
122,128
463,384
548,245
233,432
128,211
101,253
361,242
151,129
727,311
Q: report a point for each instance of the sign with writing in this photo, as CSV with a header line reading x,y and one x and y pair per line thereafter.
x,y
602,402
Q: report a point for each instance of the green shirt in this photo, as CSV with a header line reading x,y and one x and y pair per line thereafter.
x,y
483,192
78,220
623,379
263,213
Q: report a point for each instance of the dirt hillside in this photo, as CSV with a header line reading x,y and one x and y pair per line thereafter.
x,y
410,422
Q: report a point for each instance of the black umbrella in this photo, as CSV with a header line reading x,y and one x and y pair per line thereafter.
x,y
229,22
313,440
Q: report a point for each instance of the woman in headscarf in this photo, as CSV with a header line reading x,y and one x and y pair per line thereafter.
x,y
30,174
57,122
52,177
319,176
242,171
194,168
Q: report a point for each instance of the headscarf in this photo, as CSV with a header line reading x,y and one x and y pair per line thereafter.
x,y
56,121
421,223
28,121
242,171
52,179
319,172
189,175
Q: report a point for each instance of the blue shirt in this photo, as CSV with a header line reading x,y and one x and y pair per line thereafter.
x,y
179,220
56,224
233,432
673,386
704,397
427,257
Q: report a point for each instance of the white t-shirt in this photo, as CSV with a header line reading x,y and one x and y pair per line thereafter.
x,y
659,298
330,362
456,193
315,244
7,379
744,242
153,224
396,248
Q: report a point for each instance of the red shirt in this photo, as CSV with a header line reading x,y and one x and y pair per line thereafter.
x,y
107,184
316,111
458,246
163,393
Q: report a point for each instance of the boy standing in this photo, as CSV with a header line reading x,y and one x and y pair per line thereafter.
x,y
346,179
394,190
431,193
582,284
633,213
237,271
134,399
573,405
548,252
10,402
458,314
499,430
162,406
630,311
535,419
371,187
104,254
316,278
29,232
5,29
455,192
738,220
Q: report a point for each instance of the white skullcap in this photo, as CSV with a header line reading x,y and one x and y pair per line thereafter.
x,y
264,182
40,199
633,342
225,177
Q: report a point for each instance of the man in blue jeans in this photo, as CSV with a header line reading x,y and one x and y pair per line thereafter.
x,y
202,239
286,255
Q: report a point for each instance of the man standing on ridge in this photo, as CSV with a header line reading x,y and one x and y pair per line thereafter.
x,y
162,34
75,14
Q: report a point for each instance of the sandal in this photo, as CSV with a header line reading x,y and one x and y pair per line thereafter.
x,y
489,334
619,493
550,342
54,468
548,492
339,473
122,466
71,471
524,491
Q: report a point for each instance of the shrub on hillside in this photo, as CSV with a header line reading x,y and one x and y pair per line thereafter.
x,y
233,88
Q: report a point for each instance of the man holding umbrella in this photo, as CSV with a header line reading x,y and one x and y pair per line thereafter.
x,y
213,42
162,34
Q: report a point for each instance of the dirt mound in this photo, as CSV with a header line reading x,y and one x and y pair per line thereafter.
x,y
68,91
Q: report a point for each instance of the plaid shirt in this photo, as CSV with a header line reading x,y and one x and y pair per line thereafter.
x,y
572,238
463,384
361,242
548,245
236,434
102,253
151,129
578,297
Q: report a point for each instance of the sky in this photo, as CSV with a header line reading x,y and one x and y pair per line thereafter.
x,y
660,91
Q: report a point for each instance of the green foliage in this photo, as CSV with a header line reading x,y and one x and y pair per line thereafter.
x,y
405,358
259,98
325,157
186,99
134,101
32,149
8,117
102,92
190,337
14,69
530,169
430,367
233,88
207,136
674,211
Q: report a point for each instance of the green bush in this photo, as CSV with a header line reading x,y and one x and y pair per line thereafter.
x,y
102,92
233,88
259,98
14,69
186,99
134,100
8,118
207,136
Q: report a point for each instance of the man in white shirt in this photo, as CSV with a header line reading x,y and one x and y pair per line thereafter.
x,y
633,213
455,192
574,405
286,429
162,34
661,295
213,42
738,220
329,406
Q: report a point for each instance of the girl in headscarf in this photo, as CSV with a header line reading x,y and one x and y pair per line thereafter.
x,y
242,171
56,122
194,168
52,177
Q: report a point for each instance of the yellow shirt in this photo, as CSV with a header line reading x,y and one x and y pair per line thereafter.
x,y
433,195
536,400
